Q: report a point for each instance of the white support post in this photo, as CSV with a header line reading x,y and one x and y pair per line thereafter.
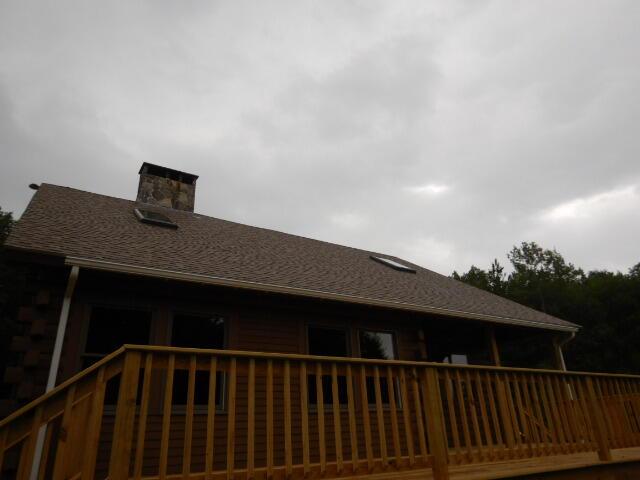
x,y
55,363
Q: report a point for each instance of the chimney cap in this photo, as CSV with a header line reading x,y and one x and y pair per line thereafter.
x,y
165,172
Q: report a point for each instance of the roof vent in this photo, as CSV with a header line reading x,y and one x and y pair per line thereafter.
x,y
393,264
166,187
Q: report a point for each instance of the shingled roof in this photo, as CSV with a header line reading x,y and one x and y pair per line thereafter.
x,y
104,230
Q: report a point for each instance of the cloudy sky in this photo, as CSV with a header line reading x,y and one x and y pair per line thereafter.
x,y
442,132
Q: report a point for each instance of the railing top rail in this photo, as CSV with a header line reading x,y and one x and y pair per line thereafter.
x,y
355,360
67,383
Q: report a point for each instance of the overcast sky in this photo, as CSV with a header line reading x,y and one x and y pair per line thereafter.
x,y
441,132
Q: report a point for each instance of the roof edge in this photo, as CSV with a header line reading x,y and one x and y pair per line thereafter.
x,y
104,265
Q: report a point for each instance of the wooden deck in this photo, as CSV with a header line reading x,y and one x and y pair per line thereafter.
x,y
169,413
515,468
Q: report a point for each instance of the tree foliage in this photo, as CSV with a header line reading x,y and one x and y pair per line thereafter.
x,y
7,281
605,304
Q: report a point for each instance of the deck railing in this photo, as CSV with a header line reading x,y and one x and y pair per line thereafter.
x,y
159,412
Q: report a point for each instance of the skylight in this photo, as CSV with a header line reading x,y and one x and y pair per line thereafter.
x,y
393,264
154,218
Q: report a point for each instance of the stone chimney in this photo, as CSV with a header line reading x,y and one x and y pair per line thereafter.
x,y
166,187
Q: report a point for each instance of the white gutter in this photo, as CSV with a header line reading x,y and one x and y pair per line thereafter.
x,y
266,287
55,363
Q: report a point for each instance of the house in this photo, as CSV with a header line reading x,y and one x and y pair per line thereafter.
x,y
251,353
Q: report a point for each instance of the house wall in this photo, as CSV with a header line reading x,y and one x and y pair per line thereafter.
x,y
256,321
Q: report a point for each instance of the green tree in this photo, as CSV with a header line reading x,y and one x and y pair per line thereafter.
x,y
605,304
7,284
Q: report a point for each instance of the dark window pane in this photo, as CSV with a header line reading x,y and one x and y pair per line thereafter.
x,y
328,342
458,343
384,391
378,345
197,331
327,394
201,393
110,328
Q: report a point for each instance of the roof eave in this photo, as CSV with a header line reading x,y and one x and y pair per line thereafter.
x,y
103,265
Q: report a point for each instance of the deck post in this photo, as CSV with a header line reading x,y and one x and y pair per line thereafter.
x,y
125,416
493,345
438,446
598,421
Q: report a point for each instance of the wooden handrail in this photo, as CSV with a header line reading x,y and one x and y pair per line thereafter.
x,y
365,361
66,384
259,414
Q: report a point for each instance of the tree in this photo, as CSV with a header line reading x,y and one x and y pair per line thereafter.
x,y
605,304
7,280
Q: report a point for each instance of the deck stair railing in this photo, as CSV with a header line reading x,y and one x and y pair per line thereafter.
x,y
161,412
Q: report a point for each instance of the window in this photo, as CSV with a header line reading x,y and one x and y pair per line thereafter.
x,y
110,327
461,343
154,218
327,342
393,264
197,331
378,345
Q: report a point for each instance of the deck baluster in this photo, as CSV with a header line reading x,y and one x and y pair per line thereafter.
x,y
337,427
142,420
435,425
320,411
393,413
211,418
231,419
353,433
125,416
366,421
287,419
304,410
251,418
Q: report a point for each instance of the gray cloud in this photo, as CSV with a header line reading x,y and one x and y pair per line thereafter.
x,y
442,132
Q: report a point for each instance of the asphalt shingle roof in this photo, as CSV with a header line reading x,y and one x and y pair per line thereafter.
x,y
73,223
